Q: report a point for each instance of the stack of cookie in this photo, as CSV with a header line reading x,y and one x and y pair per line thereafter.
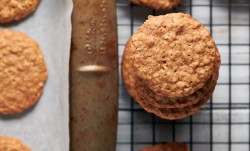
x,y
170,65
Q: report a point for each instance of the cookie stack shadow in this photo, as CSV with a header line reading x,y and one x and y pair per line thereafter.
x,y
170,65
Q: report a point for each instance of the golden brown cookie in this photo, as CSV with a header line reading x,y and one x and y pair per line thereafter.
x,y
158,4
11,10
23,72
167,147
173,54
12,144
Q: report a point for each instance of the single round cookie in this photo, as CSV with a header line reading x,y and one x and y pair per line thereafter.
x,y
12,144
23,72
158,4
11,10
173,54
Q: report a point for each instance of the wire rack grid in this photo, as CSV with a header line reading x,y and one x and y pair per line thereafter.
x,y
223,124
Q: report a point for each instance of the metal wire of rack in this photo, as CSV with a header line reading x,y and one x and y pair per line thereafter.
x,y
223,124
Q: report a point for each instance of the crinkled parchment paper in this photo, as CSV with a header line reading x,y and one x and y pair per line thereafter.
x,y
44,127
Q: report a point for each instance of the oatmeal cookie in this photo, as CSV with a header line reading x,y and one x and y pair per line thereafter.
x,y
12,10
23,72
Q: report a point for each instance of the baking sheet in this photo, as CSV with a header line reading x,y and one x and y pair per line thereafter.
x,y
45,126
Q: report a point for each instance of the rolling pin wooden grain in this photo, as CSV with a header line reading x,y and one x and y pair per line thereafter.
x,y
93,76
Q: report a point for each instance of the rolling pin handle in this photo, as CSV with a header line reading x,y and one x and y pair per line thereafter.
x,y
93,69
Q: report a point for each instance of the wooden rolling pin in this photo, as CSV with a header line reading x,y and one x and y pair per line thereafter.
x,y
93,76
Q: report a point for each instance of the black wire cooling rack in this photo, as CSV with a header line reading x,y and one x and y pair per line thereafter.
x,y
223,124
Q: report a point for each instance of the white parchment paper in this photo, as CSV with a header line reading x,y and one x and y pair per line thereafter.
x,y
45,126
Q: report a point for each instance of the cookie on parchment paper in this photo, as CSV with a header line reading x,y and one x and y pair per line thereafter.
x,y
12,144
12,10
167,147
23,72
158,4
